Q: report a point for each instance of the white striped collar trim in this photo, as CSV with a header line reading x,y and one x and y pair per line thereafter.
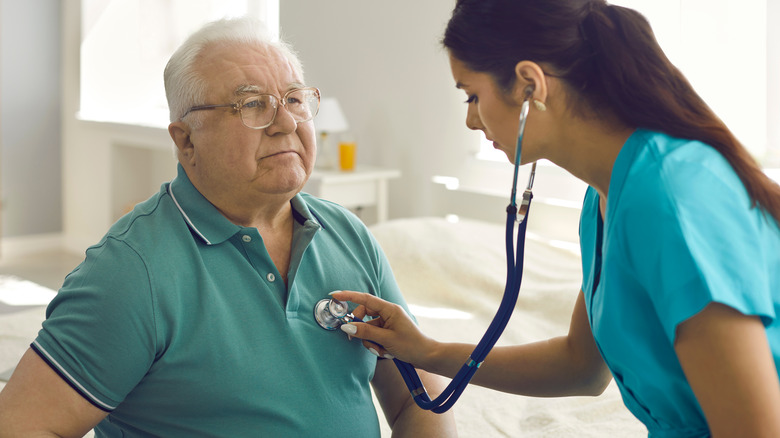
x,y
187,218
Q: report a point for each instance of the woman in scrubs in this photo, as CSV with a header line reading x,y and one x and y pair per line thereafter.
x,y
680,243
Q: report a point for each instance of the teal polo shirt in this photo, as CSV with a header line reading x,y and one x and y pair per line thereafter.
x,y
178,324
679,233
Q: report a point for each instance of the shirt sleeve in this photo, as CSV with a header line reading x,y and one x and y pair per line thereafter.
x,y
589,223
99,332
693,238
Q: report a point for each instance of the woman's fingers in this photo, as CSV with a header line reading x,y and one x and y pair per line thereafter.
x,y
359,312
394,330
377,350
361,331
372,305
365,331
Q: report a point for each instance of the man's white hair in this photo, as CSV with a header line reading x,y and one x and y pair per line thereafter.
x,y
185,86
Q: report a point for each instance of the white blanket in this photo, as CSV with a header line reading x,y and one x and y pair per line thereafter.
x,y
461,266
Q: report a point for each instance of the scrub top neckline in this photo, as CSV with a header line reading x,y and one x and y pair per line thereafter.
x,y
620,170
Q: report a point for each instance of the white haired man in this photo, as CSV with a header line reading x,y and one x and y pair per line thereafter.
x,y
193,315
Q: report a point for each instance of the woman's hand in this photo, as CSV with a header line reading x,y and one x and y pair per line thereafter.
x,y
392,328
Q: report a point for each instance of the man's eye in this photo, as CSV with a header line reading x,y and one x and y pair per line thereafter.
x,y
254,104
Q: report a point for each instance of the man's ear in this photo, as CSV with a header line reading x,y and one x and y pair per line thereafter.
x,y
531,82
180,133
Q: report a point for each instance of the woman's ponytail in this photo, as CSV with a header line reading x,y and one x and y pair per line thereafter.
x,y
638,83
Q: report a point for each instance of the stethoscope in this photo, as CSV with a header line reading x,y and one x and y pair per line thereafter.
x,y
330,314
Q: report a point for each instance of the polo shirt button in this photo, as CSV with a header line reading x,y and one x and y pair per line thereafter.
x,y
247,238
270,277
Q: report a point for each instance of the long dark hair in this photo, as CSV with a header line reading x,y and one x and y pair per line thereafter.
x,y
610,61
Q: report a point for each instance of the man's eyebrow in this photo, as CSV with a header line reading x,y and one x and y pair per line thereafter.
x,y
245,89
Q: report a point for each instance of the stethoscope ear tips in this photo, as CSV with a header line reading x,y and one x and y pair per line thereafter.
x,y
331,313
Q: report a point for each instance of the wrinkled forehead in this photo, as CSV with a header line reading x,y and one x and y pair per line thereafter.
x,y
236,68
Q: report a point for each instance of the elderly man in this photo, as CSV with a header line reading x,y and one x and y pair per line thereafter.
x,y
193,316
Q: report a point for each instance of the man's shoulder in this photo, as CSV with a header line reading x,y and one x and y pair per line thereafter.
x,y
153,223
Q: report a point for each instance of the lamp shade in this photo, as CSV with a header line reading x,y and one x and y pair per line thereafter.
x,y
330,118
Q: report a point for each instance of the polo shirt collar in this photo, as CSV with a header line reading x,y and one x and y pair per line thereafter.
x,y
207,222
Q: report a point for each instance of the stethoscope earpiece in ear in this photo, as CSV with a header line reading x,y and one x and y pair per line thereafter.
x,y
538,104
528,92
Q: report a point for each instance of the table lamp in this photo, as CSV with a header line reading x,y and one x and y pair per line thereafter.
x,y
330,120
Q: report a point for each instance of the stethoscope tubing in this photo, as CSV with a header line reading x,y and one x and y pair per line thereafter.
x,y
515,258
450,395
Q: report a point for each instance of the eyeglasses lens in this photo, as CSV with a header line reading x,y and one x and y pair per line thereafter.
x,y
259,111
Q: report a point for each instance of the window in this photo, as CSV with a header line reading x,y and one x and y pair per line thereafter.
x,y
126,44
723,48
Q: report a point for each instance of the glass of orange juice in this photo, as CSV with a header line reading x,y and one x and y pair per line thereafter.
x,y
347,155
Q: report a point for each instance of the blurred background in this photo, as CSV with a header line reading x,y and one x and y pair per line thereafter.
x,y
83,115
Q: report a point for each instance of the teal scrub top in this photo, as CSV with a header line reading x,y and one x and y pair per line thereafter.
x,y
679,233
179,324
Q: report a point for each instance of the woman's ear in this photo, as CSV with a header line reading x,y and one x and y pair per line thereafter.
x,y
180,133
530,80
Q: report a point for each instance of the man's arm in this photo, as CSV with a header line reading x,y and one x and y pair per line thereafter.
x,y
37,402
402,413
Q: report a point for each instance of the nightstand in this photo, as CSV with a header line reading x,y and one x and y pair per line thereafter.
x,y
366,186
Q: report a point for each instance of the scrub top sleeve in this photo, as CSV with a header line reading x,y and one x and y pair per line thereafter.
x,y
100,333
588,232
692,239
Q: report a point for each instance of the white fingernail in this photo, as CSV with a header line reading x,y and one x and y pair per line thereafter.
x,y
349,329
374,352
389,356
334,292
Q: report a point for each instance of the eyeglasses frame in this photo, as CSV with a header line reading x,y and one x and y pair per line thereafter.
x,y
240,104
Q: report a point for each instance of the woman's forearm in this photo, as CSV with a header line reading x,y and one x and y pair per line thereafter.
x,y
543,369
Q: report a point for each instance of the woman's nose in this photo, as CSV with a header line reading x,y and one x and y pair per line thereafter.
x,y
472,119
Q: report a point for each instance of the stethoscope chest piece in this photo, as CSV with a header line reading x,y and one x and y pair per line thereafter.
x,y
330,314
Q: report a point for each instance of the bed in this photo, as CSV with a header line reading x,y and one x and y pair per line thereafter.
x,y
452,273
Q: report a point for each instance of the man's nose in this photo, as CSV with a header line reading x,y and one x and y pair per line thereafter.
x,y
283,122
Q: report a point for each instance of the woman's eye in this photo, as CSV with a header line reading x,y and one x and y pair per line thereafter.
x,y
472,99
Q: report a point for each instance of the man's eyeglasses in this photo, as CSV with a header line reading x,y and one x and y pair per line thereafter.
x,y
258,111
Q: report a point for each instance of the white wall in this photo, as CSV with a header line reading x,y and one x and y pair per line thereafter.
x,y
30,117
773,84
382,60
384,63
